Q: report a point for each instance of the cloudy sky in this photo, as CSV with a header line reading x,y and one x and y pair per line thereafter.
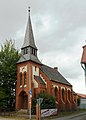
x,y
59,28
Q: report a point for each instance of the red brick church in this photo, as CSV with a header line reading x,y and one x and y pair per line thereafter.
x,y
33,77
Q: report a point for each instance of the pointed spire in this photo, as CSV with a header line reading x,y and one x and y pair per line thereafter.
x,y
29,38
29,49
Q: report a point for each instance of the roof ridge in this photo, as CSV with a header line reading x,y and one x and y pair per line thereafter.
x,y
49,66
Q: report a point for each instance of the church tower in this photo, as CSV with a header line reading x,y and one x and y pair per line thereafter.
x,y
27,64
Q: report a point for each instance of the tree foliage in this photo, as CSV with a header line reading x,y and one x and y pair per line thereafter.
x,y
47,103
8,58
78,101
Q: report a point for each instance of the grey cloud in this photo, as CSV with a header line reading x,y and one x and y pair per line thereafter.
x,y
59,28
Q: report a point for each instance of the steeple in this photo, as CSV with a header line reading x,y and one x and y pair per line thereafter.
x,y
29,49
29,38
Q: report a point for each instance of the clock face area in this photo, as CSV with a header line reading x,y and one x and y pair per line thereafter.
x,y
23,69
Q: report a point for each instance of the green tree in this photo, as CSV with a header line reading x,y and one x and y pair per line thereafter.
x,y
3,99
8,58
47,103
78,101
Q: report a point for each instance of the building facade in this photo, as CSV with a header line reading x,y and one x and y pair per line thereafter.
x,y
82,98
33,77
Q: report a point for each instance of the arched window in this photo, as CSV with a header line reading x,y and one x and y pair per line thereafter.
x,y
75,100
33,51
20,78
55,91
35,68
25,51
63,95
69,95
24,78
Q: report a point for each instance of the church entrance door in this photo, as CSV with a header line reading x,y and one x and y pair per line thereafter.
x,y
23,100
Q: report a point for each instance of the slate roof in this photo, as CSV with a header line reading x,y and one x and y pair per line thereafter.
x,y
39,79
29,38
54,75
29,57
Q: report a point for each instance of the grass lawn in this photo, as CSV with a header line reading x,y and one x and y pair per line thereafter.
x,y
12,118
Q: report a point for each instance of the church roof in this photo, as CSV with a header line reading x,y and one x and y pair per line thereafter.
x,y
39,79
29,57
29,38
54,75
81,95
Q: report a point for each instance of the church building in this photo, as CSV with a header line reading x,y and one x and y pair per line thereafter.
x,y
33,77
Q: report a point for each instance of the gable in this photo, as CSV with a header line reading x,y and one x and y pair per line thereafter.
x,y
40,80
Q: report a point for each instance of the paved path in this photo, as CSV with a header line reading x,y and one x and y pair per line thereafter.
x,y
81,116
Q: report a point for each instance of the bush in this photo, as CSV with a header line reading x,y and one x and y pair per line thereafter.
x,y
78,101
47,103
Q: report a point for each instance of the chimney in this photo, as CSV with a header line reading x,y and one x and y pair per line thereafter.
x,y
56,68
